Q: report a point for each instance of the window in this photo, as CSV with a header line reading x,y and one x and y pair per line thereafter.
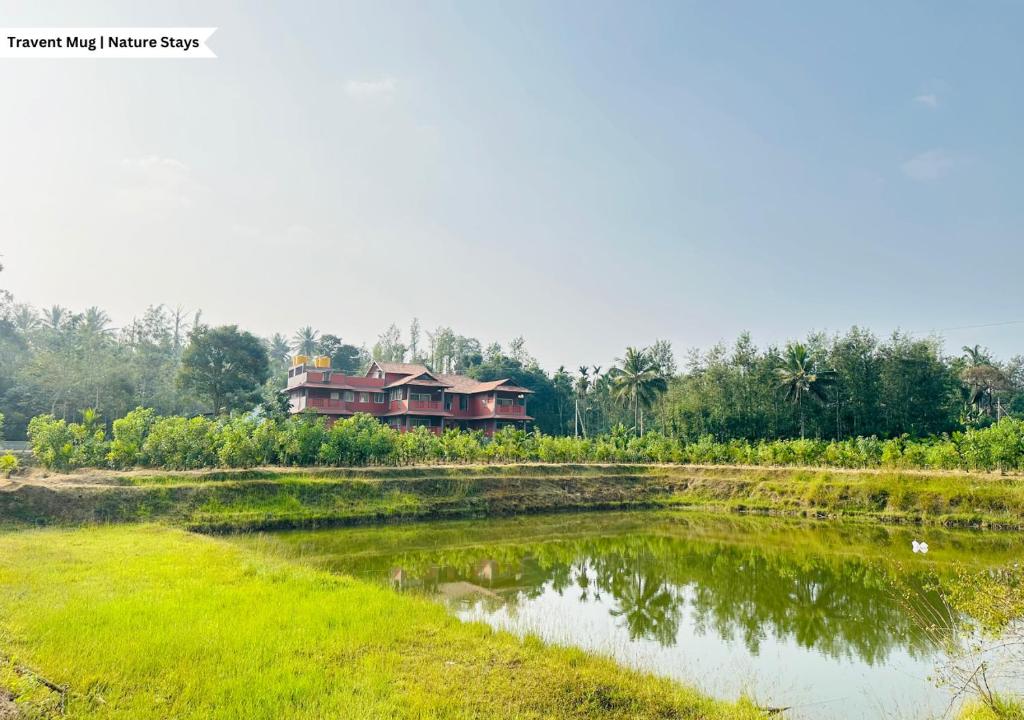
x,y
463,402
378,398
447,402
505,402
396,394
364,397
349,396
422,397
417,421
335,395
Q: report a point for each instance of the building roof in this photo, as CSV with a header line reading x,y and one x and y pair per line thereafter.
x,y
418,380
400,368
463,384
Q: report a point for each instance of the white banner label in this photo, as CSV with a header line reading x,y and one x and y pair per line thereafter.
x,y
105,43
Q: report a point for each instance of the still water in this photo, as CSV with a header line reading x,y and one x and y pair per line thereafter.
x,y
825,618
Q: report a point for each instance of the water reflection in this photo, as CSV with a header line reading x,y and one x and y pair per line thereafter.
x,y
810,607
845,607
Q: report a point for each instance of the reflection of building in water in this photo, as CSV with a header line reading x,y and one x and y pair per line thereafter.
x,y
488,577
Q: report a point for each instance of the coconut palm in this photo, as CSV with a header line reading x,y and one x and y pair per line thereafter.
x,y
278,349
305,340
25,318
582,388
799,378
982,380
96,322
56,317
637,382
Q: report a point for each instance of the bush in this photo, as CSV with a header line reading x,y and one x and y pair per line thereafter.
x,y
177,443
52,442
143,439
359,440
129,435
300,439
8,465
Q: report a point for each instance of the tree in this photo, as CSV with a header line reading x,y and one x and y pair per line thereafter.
x,y
305,340
982,381
638,382
225,367
389,347
798,377
279,351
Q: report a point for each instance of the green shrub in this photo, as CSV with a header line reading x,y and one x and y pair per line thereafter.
x,y
52,442
177,443
8,465
129,435
359,440
300,439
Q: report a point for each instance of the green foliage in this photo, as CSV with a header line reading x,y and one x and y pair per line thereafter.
x,y
129,434
178,443
359,440
300,439
1,426
8,465
143,439
225,367
60,445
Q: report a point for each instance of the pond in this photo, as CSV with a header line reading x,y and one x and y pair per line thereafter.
x,y
827,619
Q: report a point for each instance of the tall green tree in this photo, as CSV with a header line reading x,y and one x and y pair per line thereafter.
x,y
638,382
305,340
224,367
799,378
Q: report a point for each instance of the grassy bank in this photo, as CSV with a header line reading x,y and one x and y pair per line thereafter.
x,y
152,622
227,501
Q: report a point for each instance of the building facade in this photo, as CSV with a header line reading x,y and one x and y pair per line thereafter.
x,y
407,395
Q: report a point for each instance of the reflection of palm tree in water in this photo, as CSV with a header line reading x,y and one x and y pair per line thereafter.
x,y
647,603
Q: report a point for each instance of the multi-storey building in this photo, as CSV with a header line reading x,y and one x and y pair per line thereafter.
x,y
407,395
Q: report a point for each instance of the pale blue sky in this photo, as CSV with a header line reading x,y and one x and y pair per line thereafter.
x,y
588,175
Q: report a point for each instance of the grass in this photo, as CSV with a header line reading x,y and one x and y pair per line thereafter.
x,y
230,501
148,621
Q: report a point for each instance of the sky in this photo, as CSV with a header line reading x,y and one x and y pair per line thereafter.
x,y
589,175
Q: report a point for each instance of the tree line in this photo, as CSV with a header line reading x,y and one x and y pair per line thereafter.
x,y
58,362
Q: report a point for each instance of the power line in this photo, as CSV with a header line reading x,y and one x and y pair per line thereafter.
x,y
974,327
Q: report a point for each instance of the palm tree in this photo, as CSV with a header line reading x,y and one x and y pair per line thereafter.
x,y
25,318
278,349
96,322
582,386
982,380
798,377
638,382
305,340
56,317
975,356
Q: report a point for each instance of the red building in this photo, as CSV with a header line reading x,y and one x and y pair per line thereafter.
x,y
407,395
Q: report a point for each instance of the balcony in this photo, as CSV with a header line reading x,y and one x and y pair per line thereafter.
x,y
324,403
424,405
510,409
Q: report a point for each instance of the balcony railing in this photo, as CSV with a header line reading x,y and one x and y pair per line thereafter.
x,y
511,409
325,403
424,405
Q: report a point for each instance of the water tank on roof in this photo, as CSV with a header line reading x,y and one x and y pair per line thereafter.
x,y
322,361
300,360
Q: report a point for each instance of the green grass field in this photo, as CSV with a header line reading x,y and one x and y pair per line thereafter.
x,y
147,621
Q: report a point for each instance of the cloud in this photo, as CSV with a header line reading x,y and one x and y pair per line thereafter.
x,y
154,183
365,89
929,100
929,165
